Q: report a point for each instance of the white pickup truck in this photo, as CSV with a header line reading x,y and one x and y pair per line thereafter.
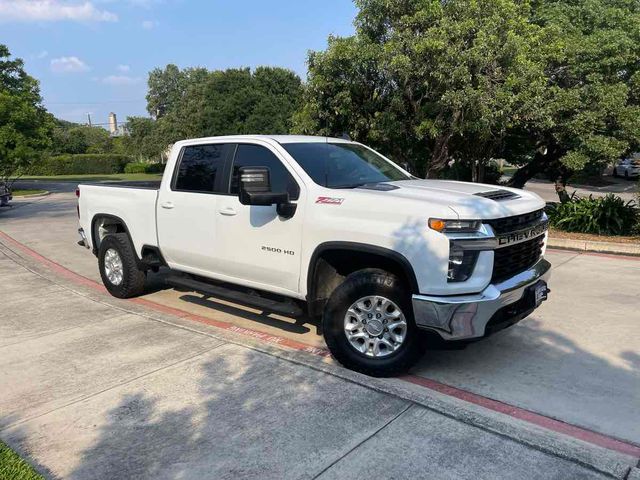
x,y
328,228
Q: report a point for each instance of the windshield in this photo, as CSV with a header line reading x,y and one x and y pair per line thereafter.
x,y
343,165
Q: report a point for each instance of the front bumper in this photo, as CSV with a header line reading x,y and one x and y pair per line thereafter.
x,y
460,317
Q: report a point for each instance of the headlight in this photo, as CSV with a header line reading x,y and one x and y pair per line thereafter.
x,y
461,264
451,226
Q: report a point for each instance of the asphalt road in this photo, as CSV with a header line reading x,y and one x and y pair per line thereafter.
x,y
577,359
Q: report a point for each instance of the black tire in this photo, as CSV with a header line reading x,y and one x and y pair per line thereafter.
x,y
356,286
133,279
615,172
626,175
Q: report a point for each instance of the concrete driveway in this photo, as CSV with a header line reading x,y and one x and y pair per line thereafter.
x,y
157,395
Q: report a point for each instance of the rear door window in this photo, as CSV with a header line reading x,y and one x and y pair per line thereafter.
x,y
200,168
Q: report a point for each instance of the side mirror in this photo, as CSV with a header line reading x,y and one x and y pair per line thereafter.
x,y
255,189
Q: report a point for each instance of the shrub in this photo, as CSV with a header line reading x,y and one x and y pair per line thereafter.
x,y
141,167
609,215
81,164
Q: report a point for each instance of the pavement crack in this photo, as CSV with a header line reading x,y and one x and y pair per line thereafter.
x,y
365,440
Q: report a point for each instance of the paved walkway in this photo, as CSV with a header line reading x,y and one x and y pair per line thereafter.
x,y
88,390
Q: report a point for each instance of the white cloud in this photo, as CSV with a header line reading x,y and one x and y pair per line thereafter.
x,y
42,54
121,80
68,65
149,24
123,68
52,11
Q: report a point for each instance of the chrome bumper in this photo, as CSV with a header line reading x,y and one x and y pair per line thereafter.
x,y
459,317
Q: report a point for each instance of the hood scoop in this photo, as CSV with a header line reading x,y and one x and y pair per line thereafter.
x,y
498,195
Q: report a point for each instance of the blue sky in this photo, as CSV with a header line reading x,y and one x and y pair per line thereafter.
x,y
93,56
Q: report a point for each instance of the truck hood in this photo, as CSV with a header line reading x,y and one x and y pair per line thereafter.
x,y
469,200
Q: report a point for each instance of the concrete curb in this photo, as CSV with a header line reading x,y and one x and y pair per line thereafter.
x,y
33,195
588,455
593,246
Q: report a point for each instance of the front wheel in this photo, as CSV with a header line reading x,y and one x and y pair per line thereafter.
x,y
368,324
119,268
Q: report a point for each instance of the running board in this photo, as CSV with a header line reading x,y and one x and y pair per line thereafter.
x,y
286,307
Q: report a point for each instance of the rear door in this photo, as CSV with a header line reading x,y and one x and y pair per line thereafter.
x,y
256,246
186,210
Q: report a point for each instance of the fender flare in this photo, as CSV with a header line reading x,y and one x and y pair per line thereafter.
x,y
387,253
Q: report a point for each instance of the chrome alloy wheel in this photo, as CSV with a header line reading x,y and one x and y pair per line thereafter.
x,y
375,326
113,266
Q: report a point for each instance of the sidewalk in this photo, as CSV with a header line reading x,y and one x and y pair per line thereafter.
x,y
91,388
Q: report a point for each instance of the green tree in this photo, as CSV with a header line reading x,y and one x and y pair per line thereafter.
x,y
593,93
76,139
199,103
428,81
25,126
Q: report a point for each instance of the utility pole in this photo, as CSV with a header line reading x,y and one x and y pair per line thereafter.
x,y
89,118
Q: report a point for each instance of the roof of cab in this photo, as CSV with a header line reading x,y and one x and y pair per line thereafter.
x,y
282,139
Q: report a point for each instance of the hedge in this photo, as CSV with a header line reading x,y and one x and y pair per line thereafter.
x,y
81,164
141,167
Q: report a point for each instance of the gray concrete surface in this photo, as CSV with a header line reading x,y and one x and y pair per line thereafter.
x,y
626,189
574,360
578,345
124,396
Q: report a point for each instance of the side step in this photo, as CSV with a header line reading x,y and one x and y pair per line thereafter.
x,y
285,307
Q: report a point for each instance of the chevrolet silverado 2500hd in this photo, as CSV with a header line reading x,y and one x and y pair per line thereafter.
x,y
330,228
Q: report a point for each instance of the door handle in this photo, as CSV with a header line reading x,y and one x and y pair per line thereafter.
x,y
228,211
167,205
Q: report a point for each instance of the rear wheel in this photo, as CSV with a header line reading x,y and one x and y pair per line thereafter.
x,y
615,172
119,268
626,174
368,324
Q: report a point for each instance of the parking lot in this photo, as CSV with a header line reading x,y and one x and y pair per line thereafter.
x,y
570,373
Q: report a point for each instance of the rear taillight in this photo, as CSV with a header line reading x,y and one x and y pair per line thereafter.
x,y
78,192
78,205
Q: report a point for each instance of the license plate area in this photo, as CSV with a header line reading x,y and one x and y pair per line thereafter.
x,y
537,293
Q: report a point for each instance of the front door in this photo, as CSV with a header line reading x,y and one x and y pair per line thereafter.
x,y
186,210
255,246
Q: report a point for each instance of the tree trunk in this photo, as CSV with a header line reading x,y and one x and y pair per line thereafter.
x,y
528,171
561,185
440,156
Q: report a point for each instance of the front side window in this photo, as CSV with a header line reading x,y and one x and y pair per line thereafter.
x,y
199,167
257,156
343,165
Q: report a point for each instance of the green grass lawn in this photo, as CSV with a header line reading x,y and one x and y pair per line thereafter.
x,y
12,467
19,193
509,170
96,177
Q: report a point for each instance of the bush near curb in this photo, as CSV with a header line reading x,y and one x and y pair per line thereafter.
x,y
141,167
81,164
609,215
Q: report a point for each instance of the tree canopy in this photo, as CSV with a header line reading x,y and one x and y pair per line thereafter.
x,y
25,126
197,102
427,81
592,98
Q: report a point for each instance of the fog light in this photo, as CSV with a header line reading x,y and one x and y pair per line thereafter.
x,y
461,264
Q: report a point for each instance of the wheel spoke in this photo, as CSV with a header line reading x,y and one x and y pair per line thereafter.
x,y
375,326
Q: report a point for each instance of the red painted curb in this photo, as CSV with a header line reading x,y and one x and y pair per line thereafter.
x,y
613,256
528,416
549,423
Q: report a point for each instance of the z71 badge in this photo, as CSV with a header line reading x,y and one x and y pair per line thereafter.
x,y
330,200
